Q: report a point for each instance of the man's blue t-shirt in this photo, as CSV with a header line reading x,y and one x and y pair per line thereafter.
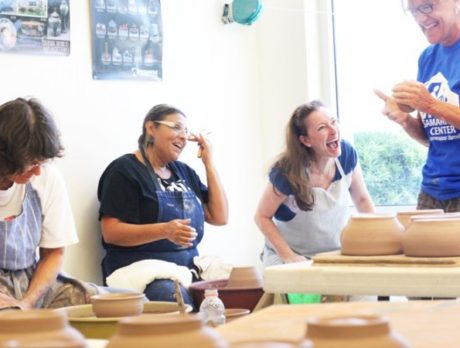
x,y
439,70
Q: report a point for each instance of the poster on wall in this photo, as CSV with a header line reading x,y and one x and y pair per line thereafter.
x,y
35,26
127,39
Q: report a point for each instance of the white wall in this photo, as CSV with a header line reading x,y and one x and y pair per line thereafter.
x,y
293,64
240,82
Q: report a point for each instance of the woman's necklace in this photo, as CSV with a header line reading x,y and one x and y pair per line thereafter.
x,y
163,172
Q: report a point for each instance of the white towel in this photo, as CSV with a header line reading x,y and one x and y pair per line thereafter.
x,y
139,274
212,267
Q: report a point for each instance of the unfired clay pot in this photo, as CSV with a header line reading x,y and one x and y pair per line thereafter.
x,y
372,235
433,238
361,331
40,328
148,331
404,217
118,304
245,278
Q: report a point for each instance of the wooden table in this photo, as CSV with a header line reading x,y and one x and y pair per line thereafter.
x,y
400,276
424,324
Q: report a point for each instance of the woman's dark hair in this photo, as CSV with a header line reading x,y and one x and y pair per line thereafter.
x,y
157,113
296,158
28,133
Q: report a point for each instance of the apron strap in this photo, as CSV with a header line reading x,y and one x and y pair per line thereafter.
x,y
339,167
153,175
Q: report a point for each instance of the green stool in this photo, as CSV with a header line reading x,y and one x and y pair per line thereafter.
x,y
303,298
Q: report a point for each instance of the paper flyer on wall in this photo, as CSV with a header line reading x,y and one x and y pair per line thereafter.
x,y
35,26
127,38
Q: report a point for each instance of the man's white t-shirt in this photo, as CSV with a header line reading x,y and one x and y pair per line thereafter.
x,y
58,224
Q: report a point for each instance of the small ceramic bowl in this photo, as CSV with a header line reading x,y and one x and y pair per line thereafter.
x,y
372,235
353,331
436,237
404,217
245,278
118,304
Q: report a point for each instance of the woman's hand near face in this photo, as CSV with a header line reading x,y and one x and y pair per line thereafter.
x,y
204,147
216,209
180,233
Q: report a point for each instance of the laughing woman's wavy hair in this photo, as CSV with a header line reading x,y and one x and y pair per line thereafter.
x,y
296,158
28,133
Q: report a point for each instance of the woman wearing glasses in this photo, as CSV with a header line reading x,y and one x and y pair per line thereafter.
x,y
306,203
434,100
154,206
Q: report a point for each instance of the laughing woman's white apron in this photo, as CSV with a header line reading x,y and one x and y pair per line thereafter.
x,y
317,230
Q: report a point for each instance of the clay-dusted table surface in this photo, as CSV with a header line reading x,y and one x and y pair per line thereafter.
x,y
377,278
425,324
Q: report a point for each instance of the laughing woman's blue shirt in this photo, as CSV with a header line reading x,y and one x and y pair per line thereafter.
x,y
348,159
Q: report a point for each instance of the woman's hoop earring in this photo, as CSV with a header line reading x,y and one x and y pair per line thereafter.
x,y
149,140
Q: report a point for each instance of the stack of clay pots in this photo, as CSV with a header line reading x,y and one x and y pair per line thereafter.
x,y
414,233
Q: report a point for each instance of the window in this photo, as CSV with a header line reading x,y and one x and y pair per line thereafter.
x,y
376,46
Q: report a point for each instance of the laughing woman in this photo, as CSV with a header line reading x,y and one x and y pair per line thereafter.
x,y
305,205
154,206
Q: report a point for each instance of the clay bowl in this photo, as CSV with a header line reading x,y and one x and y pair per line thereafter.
x,y
118,304
372,235
245,277
231,297
83,319
235,313
360,331
167,332
404,217
40,328
433,237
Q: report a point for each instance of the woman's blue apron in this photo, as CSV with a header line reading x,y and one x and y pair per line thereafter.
x,y
172,205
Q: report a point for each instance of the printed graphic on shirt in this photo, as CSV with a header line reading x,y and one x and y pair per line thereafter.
x,y
436,129
173,186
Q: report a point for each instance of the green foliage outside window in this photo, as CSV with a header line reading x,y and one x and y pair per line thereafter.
x,y
392,166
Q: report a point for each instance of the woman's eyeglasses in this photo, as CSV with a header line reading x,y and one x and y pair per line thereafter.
x,y
422,9
177,127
